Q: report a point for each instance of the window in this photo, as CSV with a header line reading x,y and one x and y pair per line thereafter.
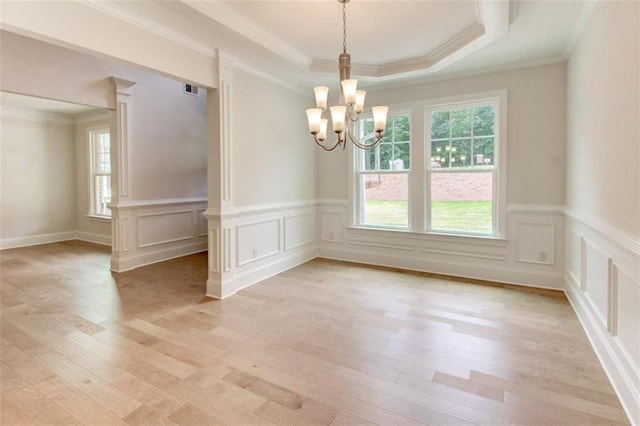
x,y
100,170
462,167
439,169
383,174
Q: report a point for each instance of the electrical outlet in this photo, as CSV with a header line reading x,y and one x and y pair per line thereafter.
x,y
542,256
330,236
255,252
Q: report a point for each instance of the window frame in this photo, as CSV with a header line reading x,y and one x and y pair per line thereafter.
x,y
92,138
418,182
430,170
359,172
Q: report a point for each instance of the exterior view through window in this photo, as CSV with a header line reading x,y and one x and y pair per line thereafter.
x,y
100,185
450,181
384,174
462,168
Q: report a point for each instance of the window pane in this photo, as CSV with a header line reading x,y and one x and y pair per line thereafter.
x,y
460,122
370,159
401,128
394,151
461,153
483,120
439,124
103,195
401,156
483,152
462,202
385,200
386,156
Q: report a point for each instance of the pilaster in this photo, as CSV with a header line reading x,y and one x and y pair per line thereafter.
x,y
120,130
221,241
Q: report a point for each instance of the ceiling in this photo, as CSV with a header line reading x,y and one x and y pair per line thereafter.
x,y
389,41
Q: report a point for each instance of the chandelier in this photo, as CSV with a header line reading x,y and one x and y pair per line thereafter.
x,y
351,100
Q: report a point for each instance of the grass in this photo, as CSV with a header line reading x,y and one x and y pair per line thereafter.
x,y
464,216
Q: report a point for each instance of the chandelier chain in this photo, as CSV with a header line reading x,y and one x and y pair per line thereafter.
x,y
344,27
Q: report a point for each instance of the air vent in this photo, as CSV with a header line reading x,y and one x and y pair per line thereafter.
x,y
190,89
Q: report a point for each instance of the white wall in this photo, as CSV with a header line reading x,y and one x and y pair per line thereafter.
x,y
37,186
603,192
535,189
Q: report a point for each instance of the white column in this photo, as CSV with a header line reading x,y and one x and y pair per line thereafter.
x,y
219,176
120,132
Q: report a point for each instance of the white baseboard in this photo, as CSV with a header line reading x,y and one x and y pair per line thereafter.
x,y
262,272
34,240
89,237
540,279
129,263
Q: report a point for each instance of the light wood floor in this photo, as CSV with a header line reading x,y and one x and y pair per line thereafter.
x,y
324,343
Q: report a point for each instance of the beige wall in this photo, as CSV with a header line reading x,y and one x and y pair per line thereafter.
x,y
603,137
98,230
168,150
273,154
536,131
37,192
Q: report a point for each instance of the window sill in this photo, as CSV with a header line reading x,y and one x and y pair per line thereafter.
x,y
95,218
469,239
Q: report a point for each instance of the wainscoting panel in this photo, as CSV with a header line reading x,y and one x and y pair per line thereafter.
x,y
332,223
535,243
626,312
256,241
202,223
153,231
299,230
265,240
602,282
531,231
161,228
597,282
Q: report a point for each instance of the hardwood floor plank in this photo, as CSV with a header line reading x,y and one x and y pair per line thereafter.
x,y
327,342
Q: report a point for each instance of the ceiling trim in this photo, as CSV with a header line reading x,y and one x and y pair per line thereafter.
x,y
424,64
579,27
114,11
434,78
216,10
492,23
29,114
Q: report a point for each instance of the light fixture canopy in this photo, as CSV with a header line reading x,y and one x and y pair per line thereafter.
x,y
345,115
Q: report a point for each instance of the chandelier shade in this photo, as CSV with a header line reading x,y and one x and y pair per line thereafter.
x,y
351,104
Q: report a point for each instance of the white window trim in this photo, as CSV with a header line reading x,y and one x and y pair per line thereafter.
x,y
355,173
91,175
418,183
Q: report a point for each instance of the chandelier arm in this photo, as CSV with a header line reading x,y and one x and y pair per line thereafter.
x,y
325,147
365,145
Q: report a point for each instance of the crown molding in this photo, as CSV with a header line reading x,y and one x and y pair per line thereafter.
x,y
435,78
216,10
111,9
492,23
35,115
92,117
242,66
579,27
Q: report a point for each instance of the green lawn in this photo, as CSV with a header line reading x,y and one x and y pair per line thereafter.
x,y
466,216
